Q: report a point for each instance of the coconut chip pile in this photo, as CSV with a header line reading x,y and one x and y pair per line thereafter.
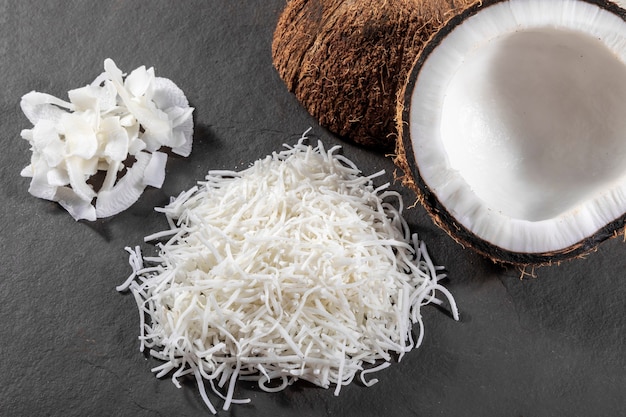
x,y
115,129
297,268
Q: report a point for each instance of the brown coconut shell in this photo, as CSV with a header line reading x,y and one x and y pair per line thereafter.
x,y
345,60
411,178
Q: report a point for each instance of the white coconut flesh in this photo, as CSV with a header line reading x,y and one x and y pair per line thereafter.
x,y
518,123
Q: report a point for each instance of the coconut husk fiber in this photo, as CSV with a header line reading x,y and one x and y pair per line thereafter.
x,y
345,60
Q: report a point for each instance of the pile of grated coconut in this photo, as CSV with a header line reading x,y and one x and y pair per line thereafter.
x,y
294,268
116,126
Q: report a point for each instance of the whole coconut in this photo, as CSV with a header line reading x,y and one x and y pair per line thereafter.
x,y
345,60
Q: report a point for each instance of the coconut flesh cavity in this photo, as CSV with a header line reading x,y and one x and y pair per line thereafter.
x,y
513,128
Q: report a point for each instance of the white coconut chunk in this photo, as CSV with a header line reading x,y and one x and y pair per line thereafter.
x,y
84,98
111,175
139,81
113,73
106,93
517,122
35,98
27,171
168,95
126,192
115,138
155,170
57,177
150,117
183,137
76,168
76,206
136,145
104,125
39,106
80,138
182,127
42,189
155,139
39,185
45,140
185,148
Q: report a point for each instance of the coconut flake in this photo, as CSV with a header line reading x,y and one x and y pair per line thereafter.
x,y
79,136
295,268
75,204
155,170
58,177
127,190
84,99
115,138
104,123
40,106
139,81
39,185
45,140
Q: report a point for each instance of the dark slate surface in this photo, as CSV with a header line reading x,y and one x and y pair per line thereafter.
x,y
547,346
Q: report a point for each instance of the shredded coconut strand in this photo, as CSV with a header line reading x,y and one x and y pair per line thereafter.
x,y
295,268
103,124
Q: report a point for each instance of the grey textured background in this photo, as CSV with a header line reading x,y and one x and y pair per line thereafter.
x,y
546,346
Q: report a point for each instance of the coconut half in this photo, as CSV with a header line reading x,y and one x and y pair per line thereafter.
x,y
513,128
